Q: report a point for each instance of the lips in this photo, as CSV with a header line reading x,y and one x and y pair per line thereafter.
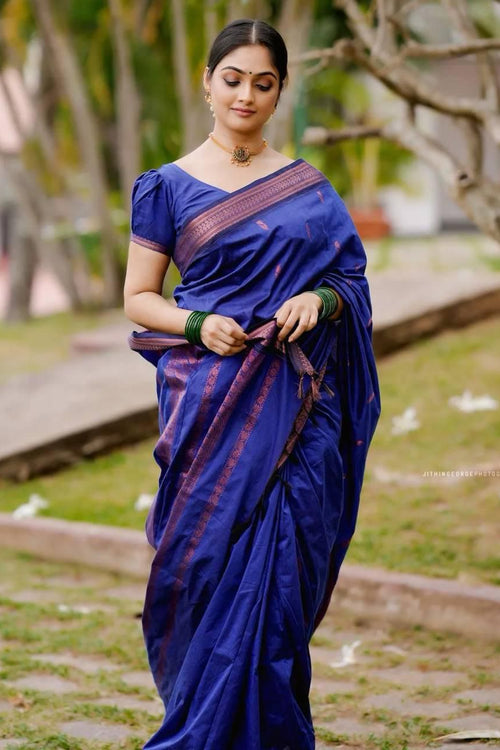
x,y
243,111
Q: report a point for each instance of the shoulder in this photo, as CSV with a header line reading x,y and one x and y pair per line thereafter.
x,y
277,160
156,177
154,185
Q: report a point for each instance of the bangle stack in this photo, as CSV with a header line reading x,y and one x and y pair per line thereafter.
x,y
192,331
329,299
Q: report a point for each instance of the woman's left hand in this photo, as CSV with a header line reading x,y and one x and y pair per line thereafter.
x,y
302,310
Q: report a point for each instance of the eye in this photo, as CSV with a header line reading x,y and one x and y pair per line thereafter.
x,y
263,87
231,83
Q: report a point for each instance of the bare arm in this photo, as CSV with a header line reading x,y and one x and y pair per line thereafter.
x,y
143,301
145,305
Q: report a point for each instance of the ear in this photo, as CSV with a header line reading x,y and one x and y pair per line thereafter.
x,y
206,79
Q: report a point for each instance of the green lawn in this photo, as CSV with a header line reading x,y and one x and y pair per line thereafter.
x,y
408,521
42,342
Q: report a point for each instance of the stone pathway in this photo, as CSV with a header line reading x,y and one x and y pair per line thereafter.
x,y
74,673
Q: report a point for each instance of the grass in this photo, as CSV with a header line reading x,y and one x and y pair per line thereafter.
x,y
408,521
42,342
110,635
430,525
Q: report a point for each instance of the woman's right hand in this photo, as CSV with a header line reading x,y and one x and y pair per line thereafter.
x,y
223,335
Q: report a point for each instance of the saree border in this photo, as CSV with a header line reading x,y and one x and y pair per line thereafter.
x,y
241,205
150,244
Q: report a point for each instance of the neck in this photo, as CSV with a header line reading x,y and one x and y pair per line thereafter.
x,y
251,139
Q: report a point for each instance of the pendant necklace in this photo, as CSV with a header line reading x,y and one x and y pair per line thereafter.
x,y
240,155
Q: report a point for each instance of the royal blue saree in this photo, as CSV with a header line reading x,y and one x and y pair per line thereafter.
x,y
261,454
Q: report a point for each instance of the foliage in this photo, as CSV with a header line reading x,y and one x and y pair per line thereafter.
x,y
337,97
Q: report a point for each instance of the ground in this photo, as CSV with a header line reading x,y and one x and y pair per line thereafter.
x,y
74,674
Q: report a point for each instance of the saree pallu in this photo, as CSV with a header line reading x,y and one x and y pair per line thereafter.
x,y
261,459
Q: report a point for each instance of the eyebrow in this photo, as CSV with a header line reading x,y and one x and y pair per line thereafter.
x,y
264,72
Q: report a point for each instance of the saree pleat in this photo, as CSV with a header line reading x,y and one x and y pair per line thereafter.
x,y
261,459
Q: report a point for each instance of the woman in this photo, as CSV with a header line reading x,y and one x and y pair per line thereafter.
x,y
268,399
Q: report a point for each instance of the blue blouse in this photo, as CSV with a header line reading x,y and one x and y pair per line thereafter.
x,y
163,200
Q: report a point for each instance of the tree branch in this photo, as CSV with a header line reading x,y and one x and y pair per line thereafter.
x,y
316,136
473,194
359,27
442,51
457,10
383,35
473,146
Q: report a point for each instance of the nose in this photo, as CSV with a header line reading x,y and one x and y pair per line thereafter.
x,y
245,92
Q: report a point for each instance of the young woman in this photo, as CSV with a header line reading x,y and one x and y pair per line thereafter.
x,y
268,399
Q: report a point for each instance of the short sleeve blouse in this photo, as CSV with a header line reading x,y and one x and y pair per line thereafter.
x,y
151,222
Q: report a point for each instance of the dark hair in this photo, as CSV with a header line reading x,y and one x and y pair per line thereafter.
x,y
243,32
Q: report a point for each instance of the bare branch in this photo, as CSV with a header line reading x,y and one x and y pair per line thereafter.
x,y
457,10
442,51
473,146
408,6
359,26
381,38
476,196
408,83
316,136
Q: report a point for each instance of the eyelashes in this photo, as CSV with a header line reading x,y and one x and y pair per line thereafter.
x,y
260,86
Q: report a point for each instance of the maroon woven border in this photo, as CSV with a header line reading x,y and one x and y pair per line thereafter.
x,y
241,205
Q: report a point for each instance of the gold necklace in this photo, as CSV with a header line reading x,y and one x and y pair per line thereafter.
x,y
240,155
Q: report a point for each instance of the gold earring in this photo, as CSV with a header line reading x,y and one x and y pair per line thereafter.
x,y
208,99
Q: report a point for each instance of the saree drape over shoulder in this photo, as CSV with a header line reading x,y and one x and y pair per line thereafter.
x,y
261,453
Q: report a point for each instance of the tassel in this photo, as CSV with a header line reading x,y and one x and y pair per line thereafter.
x,y
315,389
300,392
328,389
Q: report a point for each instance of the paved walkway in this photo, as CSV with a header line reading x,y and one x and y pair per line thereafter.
x,y
104,383
74,670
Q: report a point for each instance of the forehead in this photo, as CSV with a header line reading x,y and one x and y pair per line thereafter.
x,y
251,57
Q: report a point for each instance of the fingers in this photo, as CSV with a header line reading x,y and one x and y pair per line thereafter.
x,y
232,331
223,335
226,351
296,324
306,322
295,316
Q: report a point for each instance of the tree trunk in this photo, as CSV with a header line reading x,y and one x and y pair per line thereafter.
x,y
69,75
294,25
194,119
127,104
22,264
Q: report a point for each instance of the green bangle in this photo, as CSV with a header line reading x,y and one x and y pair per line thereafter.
x,y
194,322
329,299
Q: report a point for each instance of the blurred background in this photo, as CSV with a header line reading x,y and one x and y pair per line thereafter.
x,y
398,103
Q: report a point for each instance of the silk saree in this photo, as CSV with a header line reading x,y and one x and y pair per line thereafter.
x,y
261,454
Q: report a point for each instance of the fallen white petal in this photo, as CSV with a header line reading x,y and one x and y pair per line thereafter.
x,y
144,501
81,610
28,510
347,655
24,511
37,501
469,403
406,422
